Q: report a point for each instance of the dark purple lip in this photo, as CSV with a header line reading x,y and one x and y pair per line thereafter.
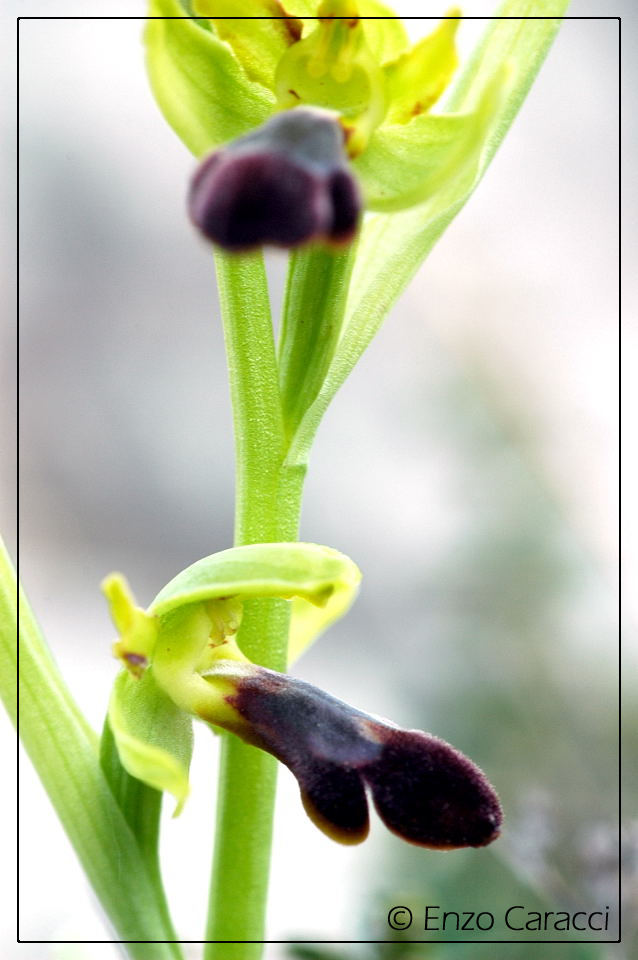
x,y
423,789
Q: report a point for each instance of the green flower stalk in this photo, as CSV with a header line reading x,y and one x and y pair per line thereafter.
x,y
318,128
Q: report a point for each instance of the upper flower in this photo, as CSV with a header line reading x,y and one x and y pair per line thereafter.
x,y
219,77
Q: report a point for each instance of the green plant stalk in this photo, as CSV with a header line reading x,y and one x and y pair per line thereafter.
x,y
268,398
267,510
64,751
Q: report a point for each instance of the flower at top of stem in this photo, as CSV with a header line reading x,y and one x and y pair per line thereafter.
x,y
220,78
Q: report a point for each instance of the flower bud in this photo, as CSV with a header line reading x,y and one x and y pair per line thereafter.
x,y
286,183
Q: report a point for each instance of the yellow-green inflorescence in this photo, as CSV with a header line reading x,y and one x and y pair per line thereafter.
x,y
220,76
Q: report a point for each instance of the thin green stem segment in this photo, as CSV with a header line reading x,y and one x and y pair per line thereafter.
x,y
267,510
64,752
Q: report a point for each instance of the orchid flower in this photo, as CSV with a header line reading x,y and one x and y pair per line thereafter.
x,y
362,72
182,661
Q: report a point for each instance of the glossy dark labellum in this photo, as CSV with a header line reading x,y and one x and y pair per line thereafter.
x,y
423,789
286,183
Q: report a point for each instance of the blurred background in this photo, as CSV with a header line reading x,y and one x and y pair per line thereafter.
x,y
468,467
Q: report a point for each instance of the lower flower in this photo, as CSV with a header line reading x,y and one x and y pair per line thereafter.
x,y
182,661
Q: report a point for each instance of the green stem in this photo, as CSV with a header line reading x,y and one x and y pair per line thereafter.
x,y
268,507
269,400
64,752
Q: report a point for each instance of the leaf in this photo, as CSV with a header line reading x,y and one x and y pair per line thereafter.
x,y
199,85
403,161
8,634
416,79
154,738
140,804
317,953
392,247
521,32
259,38
64,751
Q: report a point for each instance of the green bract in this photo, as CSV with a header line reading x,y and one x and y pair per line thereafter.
x,y
189,627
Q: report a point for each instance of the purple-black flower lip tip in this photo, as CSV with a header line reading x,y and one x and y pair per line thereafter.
x,y
429,793
348,836
263,198
493,829
423,789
